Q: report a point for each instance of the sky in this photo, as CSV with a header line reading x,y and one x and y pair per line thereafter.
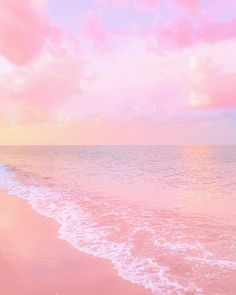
x,y
117,72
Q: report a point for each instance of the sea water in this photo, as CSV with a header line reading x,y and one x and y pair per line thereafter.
x,y
165,216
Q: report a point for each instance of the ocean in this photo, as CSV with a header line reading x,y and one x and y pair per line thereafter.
x,y
165,216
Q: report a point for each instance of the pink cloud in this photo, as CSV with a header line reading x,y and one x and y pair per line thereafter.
x,y
145,4
222,93
115,3
177,34
134,85
130,84
220,87
37,90
213,86
96,32
138,4
181,32
50,72
24,29
192,6
213,31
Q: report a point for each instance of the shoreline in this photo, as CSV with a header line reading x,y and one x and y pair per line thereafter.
x,y
33,260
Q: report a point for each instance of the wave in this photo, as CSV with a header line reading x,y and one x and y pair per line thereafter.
x,y
144,248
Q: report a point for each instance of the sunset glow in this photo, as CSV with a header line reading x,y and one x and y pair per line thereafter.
x,y
117,71
118,147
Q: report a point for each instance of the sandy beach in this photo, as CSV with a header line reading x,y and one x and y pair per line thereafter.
x,y
33,261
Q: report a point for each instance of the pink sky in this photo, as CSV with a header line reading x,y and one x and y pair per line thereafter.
x,y
117,72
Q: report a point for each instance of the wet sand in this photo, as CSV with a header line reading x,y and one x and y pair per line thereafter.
x,y
33,261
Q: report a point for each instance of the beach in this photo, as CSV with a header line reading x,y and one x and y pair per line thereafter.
x,y
33,261
117,220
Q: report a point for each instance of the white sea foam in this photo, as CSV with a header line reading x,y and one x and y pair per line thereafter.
x,y
80,227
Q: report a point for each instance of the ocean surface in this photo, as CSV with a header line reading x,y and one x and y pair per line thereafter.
x,y
165,216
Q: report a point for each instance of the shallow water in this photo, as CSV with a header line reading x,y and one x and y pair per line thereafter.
x,y
164,216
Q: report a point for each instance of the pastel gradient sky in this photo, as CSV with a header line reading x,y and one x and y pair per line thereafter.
x,y
118,72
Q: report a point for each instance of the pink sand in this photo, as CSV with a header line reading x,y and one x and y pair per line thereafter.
x,y
34,261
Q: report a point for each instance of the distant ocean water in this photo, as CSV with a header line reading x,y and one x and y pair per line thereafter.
x,y
165,216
